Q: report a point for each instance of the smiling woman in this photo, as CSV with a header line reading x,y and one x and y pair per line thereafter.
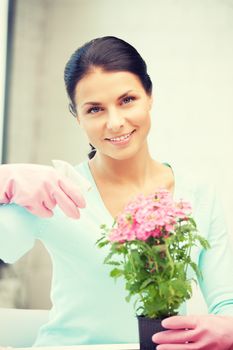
x,y
110,95
120,118
93,65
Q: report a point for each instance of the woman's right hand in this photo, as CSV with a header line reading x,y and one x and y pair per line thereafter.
x,y
39,188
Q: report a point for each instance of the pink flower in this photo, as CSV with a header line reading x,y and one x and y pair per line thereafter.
x,y
149,216
183,209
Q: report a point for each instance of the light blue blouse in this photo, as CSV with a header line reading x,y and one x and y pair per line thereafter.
x,y
88,306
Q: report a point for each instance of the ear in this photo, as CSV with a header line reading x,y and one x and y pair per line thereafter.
x,y
150,102
72,109
78,119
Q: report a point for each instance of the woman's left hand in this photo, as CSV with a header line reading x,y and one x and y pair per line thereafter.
x,y
205,332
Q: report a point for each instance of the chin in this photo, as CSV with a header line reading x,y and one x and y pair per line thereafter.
x,y
125,154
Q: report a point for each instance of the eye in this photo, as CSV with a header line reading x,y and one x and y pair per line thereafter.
x,y
94,110
128,99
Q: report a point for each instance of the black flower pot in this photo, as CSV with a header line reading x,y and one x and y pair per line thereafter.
x,y
147,327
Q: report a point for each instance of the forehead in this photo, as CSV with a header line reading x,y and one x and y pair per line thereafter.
x,y
99,85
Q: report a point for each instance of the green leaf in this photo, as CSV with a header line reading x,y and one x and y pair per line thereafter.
x,y
196,269
146,283
114,263
116,273
102,244
103,226
193,222
128,298
205,244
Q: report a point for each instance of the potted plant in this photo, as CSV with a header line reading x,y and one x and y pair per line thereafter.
x,y
150,246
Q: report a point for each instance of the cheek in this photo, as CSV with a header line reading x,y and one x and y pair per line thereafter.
x,y
141,114
92,128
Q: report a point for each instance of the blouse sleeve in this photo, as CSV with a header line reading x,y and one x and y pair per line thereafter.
x,y
216,263
18,230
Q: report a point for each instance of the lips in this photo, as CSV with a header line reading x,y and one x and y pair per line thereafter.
x,y
120,138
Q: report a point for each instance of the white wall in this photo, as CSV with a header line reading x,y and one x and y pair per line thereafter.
x,y
188,47
3,47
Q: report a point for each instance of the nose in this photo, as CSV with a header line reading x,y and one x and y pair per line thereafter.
x,y
115,120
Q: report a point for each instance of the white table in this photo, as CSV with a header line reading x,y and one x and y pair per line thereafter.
x,y
89,347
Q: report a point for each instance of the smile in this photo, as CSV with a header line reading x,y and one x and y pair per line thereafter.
x,y
121,138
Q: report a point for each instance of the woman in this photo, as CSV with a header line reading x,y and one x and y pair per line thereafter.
x,y
110,94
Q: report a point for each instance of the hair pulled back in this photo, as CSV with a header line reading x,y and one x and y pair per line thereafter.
x,y
109,53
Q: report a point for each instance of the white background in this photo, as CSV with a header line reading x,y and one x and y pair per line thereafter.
x,y
3,42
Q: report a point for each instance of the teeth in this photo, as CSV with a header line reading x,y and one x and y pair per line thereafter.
x,y
121,138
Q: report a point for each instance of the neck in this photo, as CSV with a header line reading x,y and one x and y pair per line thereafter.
x,y
134,170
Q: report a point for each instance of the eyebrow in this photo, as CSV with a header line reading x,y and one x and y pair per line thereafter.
x,y
98,103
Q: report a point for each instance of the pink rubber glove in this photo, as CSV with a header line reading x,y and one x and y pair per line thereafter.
x,y
205,332
38,188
